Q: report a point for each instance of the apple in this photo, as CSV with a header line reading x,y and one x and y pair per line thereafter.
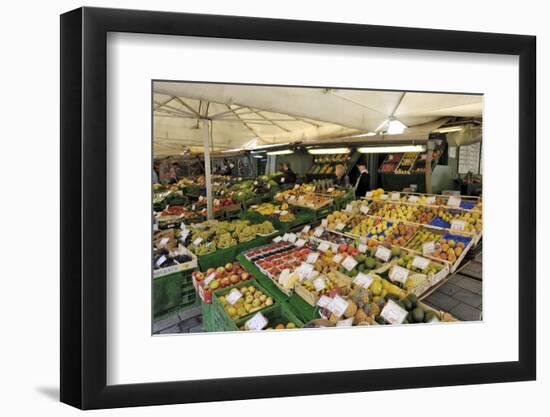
x,y
229,267
210,270
234,278
245,276
199,276
221,270
225,282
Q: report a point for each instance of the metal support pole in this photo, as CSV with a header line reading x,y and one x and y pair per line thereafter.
x,y
431,146
207,166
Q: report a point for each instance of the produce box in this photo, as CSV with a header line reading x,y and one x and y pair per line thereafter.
x,y
278,314
306,289
191,264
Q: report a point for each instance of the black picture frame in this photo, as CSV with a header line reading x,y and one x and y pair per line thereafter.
x,y
84,207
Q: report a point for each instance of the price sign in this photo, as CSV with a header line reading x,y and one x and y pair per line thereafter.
x,y
384,197
209,278
345,323
324,222
383,253
285,237
453,201
296,186
197,241
258,322
349,263
430,200
312,257
393,313
255,182
420,262
340,226
318,232
283,213
349,208
164,241
184,234
369,194
362,248
233,296
306,228
399,274
363,280
334,247
304,269
364,209
338,305
319,284
413,199
324,301
277,239
337,258
161,260
395,196
291,237
155,226
428,248
323,247
458,224
300,243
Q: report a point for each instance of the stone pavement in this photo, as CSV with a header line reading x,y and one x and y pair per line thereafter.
x,y
461,295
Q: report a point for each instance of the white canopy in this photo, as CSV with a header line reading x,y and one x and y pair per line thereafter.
x,y
245,116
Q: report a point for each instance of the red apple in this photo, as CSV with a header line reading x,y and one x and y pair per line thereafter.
x,y
225,282
199,276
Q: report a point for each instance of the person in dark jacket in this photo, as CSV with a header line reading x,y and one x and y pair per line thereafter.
x,y
362,183
289,177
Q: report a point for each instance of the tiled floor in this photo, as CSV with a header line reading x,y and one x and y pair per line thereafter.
x,y
461,295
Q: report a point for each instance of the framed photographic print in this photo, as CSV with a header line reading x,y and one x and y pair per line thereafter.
x,y
259,208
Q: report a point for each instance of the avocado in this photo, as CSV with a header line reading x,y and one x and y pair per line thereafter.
x,y
354,272
414,301
380,320
370,263
428,316
360,258
395,251
407,303
392,296
418,315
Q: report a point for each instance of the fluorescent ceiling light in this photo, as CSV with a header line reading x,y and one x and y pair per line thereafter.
x,y
450,129
258,156
283,152
390,149
259,147
325,151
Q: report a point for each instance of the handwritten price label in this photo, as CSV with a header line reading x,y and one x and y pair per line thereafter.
x,y
453,201
233,296
399,274
383,253
428,248
393,313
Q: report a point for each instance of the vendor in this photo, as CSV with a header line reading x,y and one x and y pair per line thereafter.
x,y
342,180
289,177
362,183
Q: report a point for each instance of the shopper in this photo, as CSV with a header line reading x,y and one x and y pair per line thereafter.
x,y
342,180
289,177
226,168
173,173
362,183
156,172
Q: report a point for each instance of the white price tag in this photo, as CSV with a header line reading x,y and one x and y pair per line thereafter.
x,y
282,179
413,199
291,237
369,194
323,247
304,269
458,224
399,274
334,247
362,248
421,263
161,260
277,239
338,305
428,248
319,284
363,280
349,208
340,226
318,232
324,301
453,201
233,296
345,323
296,186
312,257
349,263
430,200
330,190
197,241
282,213
286,236
337,258
384,197
324,222
193,207
395,196
258,322
300,243
209,278
364,209
383,253
393,313
184,234
164,241
306,228
155,226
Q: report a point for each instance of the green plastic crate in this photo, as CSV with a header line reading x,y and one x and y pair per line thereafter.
x,y
272,314
168,292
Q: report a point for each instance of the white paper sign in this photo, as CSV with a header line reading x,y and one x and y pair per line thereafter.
x,y
324,222
338,305
363,280
300,243
383,253
430,200
197,241
233,296
458,224
428,248
362,248
318,232
304,269
453,201
296,186
323,247
164,241
395,196
337,258
393,313
334,247
349,263
421,263
399,274
184,234
349,208
312,257
291,237
364,209
369,194
319,284
345,323
258,322
161,260
285,237
340,226
330,190
413,199
384,197
306,228
324,301
277,239
209,278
